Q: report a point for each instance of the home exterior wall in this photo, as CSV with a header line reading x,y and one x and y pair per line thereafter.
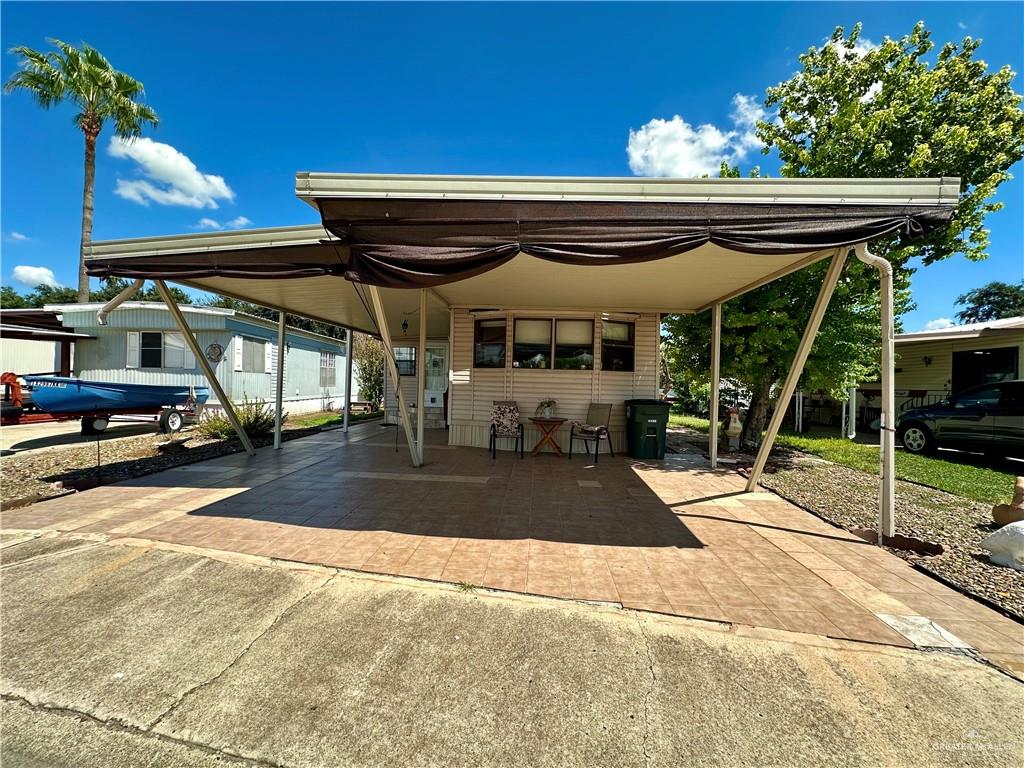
x,y
434,416
24,356
473,390
105,357
913,374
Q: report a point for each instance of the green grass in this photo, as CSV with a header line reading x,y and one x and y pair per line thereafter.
x,y
972,482
331,418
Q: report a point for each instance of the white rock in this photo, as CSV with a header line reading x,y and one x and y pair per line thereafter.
x,y
1006,546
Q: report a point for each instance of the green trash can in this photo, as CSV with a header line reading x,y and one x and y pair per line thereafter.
x,y
646,421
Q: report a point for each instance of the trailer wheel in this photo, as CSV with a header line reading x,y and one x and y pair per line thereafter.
x,y
171,421
94,425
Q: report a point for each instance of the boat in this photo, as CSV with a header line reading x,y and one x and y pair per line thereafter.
x,y
65,395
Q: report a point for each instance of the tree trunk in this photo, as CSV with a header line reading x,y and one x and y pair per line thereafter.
x,y
757,414
87,212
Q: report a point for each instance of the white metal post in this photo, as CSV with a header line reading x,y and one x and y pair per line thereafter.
x,y
828,286
385,337
279,386
851,417
197,352
348,379
887,426
421,372
716,364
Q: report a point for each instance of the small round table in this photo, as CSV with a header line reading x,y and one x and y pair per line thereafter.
x,y
547,425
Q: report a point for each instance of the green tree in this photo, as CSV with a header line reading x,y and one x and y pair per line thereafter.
x,y
11,299
368,358
886,112
42,295
295,321
100,93
992,302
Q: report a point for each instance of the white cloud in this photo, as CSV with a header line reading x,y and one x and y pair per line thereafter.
x,y
938,324
677,148
961,24
30,277
236,223
171,178
18,237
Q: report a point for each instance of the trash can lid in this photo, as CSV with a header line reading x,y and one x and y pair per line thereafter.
x,y
646,402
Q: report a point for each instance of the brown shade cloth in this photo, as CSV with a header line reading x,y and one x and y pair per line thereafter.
x,y
419,243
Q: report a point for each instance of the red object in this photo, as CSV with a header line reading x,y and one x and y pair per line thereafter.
x,y
12,388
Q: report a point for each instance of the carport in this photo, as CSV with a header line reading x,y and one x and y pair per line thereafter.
x,y
390,247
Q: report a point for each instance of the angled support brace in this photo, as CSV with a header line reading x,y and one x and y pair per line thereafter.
x,y
385,337
197,352
828,286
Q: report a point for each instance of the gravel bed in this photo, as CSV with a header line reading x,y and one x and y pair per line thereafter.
x,y
41,475
848,498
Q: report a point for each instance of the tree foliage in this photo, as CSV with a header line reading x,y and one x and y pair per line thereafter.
x,y
84,78
368,356
43,295
883,112
295,321
994,301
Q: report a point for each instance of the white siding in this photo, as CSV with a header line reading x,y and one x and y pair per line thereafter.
x,y
23,356
474,389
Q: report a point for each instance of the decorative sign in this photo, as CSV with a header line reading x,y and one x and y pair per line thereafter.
x,y
215,353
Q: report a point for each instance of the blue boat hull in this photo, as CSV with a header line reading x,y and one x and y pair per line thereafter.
x,y
61,394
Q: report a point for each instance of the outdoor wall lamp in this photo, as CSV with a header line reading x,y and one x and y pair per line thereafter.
x,y
927,361
405,326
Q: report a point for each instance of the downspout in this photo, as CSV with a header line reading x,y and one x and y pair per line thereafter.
x,y
114,303
887,426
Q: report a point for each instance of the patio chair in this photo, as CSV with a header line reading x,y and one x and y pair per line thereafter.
x,y
594,429
505,424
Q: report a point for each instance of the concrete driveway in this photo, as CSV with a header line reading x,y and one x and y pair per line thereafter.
x,y
26,438
124,654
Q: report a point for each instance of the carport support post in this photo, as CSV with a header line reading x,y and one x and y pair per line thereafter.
x,y
197,352
828,286
385,337
851,418
421,373
348,379
279,384
716,363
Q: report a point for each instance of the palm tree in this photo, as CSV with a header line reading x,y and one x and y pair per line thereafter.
x,y
84,77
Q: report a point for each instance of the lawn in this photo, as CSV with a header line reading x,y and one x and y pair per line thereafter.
x,y
331,418
971,482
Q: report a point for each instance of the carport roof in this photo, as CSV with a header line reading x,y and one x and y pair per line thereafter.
x,y
662,245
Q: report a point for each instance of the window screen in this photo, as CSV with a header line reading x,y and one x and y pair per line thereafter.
x,y
574,344
151,349
532,347
327,369
618,346
489,344
174,350
254,356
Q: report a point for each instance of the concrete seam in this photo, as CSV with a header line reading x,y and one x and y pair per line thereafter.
x,y
52,555
198,686
115,724
650,689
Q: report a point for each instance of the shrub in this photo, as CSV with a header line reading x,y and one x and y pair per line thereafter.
x,y
256,417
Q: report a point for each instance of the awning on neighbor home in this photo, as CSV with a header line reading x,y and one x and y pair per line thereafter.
x,y
666,245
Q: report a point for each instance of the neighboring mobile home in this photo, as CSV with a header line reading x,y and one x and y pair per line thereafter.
x,y
140,344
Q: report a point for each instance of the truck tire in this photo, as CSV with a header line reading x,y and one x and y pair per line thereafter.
x,y
917,438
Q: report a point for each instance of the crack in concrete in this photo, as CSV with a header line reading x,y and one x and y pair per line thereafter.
x,y
650,690
198,686
115,724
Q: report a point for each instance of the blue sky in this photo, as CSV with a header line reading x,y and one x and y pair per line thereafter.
x,y
250,93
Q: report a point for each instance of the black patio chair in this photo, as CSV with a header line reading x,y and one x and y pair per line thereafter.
x,y
505,425
594,429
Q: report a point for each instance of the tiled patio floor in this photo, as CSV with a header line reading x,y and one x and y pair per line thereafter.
x,y
668,536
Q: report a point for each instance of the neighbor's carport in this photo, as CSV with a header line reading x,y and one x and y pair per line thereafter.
x,y
404,245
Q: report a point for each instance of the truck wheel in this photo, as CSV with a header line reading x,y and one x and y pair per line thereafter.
x,y
917,438
171,421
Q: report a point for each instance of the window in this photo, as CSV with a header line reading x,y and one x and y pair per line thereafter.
x,y
254,355
532,344
574,344
151,350
327,369
984,366
405,358
158,349
489,344
618,346
983,396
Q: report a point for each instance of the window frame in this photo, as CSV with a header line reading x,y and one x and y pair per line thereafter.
x,y
401,363
630,344
332,367
477,343
143,348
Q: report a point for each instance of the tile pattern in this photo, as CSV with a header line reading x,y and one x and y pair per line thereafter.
x,y
672,536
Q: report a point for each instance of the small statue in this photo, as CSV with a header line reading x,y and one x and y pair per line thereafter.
x,y
732,428
1004,514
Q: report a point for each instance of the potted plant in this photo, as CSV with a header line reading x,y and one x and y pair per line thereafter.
x,y
546,408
